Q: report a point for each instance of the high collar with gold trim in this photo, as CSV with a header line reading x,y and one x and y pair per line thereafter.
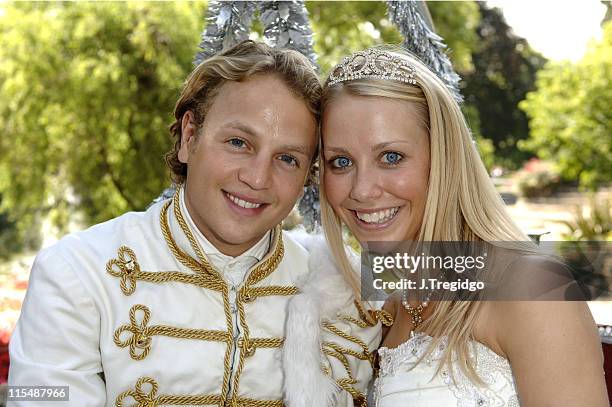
x,y
183,244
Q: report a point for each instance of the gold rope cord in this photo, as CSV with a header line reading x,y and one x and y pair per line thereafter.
x,y
339,352
140,339
149,398
261,343
371,317
359,399
334,350
263,269
251,293
203,268
246,293
330,327
128,280
342,358
347,351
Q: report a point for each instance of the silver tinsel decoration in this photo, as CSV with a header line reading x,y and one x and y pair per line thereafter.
x,y
310,208
420,39
167,194
285,25
228,23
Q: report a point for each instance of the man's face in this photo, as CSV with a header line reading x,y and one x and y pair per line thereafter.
x,y
248,164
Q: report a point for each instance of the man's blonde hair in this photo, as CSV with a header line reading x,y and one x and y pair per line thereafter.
x,y
239,63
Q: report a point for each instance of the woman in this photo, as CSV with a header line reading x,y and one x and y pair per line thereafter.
x,y
398,164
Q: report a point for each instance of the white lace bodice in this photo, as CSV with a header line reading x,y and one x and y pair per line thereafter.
x,y
400,383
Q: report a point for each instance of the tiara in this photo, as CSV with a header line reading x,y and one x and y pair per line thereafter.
x,y
373,63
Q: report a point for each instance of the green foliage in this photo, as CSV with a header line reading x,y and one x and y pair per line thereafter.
x,y
571,117
504,71
87,90
538,179
86,95
485,146
342,27
456,22
597,226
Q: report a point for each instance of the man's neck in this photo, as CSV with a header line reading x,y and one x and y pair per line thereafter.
x,y
213,239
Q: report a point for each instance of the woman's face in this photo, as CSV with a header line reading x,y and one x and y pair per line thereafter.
x,y
376,158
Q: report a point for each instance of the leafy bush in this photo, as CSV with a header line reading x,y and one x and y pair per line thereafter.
x,y
570,116
538,179
597,225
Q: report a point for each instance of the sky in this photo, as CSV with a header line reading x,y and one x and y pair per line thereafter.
x,y
559,29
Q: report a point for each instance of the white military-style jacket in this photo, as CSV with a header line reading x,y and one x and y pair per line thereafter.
x,y
131,311
331,339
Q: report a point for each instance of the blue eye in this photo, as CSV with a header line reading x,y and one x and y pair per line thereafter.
x,y
392,157
340,162
289,160
236,142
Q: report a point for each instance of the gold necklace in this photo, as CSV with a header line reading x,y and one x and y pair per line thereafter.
x,y
416,313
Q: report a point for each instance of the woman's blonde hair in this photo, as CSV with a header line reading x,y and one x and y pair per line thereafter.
x,y
462,203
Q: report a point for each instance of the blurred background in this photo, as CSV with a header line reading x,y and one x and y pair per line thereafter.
x,y
87,91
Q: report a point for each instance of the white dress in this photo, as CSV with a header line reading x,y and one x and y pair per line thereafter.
x,y
398,385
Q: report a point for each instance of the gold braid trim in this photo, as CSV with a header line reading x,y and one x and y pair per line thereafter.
x,y
150,398
342,358
202,267
353,320
246,293
247,402
251,293
249,346
383,316
126,268
359,399
329,326
371,317
366,319
248,349
140,339
128,281
261,271
203,260
347,351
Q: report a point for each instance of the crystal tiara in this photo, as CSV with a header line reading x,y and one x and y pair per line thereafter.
x,y
373,63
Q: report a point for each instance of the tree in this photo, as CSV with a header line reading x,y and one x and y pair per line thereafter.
x,y
570,116
346,26
87,91
86,95
457,22
504,71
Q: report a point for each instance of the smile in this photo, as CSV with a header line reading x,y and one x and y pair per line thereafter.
x,y
379,217
241,202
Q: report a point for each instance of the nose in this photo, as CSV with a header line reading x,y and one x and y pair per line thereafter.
x,y
366,187
256,173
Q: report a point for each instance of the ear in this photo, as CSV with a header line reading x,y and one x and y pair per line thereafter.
x,y
189,132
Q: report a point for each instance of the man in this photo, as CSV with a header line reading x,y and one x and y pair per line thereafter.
x,y
186,303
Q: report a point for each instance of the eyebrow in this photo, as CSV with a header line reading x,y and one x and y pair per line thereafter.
x,y
249,130
381,146
336,149
296,149
242,127
376,147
